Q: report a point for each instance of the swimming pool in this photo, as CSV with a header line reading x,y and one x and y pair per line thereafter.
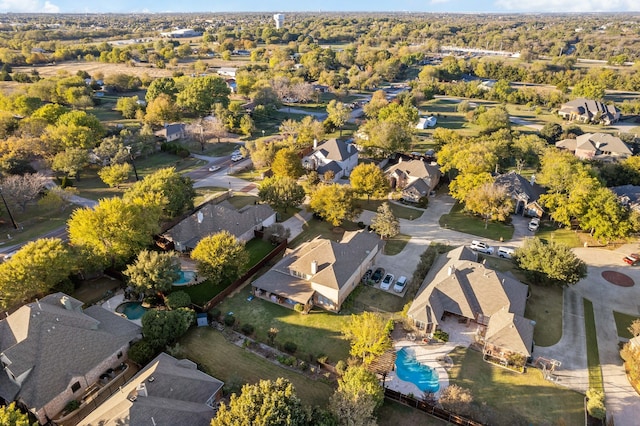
x,y
410,370
185,277
132,310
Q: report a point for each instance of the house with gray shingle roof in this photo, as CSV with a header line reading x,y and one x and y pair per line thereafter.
x,y
524,193
167,391
52,350
319,273
416,178
596,146
628,196
461,288
172,132
213,218
589,111
337,156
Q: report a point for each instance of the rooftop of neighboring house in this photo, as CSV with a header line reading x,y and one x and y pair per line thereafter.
x,y
517,185
54,340
415,169
336,150
582,106
596,143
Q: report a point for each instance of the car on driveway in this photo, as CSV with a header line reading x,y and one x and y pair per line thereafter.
x,y
377,275
633,259
237,157
534,224
387,282
481,247
400,284
367,275
214,168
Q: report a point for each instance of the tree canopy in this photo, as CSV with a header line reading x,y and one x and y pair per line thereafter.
x,y
368,335
385,223
368,179
166,188
10,415
281,192
357,398
334,203
286,163
202,93
153,271
550,263
490,201
220,256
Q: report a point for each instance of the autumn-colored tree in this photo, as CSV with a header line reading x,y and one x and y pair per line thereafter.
x,y
334,203
368,334
338,114
368,179
166,188
490,201
220,256
115,174
153,271
385,223
287,163
357,398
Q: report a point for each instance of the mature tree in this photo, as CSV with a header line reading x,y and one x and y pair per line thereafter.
x,y
368,335
34,269
75,129
10,415
264,403
114,230
161,110
166,188
161,328
605,218
163,85
527,149
20,190
115,174
552,263
287,163
357,398
338,114
383,138
465,183
589,88
281,192
112,151
494,119
334,203
128,106
490,201
247,125
552,132
309,130
221,257
71,161
456,399
202,93
262,152
153,271
377,102
50,112
385,222
368,179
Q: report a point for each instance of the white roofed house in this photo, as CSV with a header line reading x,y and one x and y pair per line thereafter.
x,y
320,273
334,155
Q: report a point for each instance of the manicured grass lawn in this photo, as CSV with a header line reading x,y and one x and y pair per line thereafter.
x,y
315,334
204,193
315,227
35,221
623,321
395,245
460,221
240,199
393,414
566,236
528,395
258,249
151,164
399,211
230,363
374,299
593,357
250,174
544,305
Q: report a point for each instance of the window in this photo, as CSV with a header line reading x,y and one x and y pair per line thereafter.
x,y
75,387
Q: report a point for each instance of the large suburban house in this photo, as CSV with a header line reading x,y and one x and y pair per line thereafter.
x,y
172,132
334,155
319,273
589,111
524,193
416,178
52,350
167,391
459,288
213,218
628,196
596,146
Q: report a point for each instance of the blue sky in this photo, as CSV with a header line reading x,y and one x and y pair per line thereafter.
x,y
460,6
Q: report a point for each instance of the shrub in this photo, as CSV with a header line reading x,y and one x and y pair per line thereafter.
x,y
177,299
290,347
299,307
72,405
341,367
595,403
286,360
141,352
441,335
229,320
247,329
303,366
389,326
214,314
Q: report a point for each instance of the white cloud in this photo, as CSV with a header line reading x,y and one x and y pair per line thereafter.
x,y
565,6
30,6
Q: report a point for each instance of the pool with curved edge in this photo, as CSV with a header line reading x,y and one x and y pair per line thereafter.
x,y
185,277
132,310
409,369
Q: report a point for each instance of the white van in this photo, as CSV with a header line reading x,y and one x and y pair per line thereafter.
x,y
506,252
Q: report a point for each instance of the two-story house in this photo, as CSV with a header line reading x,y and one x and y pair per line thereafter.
x,y
334,155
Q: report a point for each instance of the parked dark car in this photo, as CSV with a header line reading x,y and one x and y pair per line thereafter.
x,y
377,275
367,275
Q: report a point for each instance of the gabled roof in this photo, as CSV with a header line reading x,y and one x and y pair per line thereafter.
x,y
171,129
330,166
336,150
602,142
510,331
419,187
53,340
177,395
588,108
630,194
213,218
415,169
518,186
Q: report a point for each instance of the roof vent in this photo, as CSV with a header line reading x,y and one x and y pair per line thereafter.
x,y
314,267
200,217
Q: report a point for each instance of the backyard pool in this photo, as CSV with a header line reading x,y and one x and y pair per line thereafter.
x,y
410,370
132,310
185,277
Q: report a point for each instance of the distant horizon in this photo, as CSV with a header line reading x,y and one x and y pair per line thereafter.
x,y
328,6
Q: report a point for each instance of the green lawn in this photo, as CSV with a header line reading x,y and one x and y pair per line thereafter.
x,y
460,221
508,394
151,164
258,249
593,357
230,363
393,414
623,321
241,199
399,211
315,227
34,222
566,236
395,245
376,300
204,193
315,334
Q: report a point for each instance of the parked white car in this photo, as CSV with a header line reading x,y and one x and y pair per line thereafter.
x,y
400,284
387,282
237,157
534,224
506,252
481,247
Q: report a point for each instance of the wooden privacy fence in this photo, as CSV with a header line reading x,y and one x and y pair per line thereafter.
x,y
247,275
429,408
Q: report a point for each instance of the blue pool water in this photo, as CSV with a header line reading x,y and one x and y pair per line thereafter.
x,y
185,277
410,370
132,310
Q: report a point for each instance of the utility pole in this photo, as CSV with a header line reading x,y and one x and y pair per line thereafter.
x,y
13,222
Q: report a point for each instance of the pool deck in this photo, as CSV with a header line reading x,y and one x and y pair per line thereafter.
x,y
111,305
